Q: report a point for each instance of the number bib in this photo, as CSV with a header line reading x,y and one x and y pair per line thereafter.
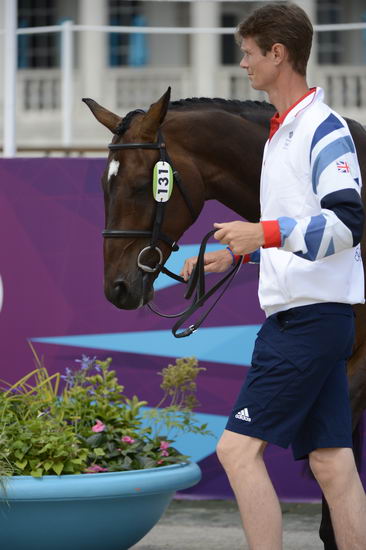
x,y
162,181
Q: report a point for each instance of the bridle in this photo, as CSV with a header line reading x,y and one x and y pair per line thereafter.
x,y
156,234
196,282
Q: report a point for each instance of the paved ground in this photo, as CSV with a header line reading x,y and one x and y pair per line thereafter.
x,y
215,525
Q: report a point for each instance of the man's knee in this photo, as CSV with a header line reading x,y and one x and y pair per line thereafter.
x,y
237,451
331,466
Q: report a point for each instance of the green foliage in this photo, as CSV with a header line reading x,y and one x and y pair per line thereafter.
x,y
91,426
179,385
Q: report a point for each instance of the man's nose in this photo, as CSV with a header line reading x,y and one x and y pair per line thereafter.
x,y
243,63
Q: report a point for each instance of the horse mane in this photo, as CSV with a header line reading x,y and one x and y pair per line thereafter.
x,y
221,103
257,111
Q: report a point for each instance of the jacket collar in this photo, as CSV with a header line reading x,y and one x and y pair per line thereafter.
x,y
314,94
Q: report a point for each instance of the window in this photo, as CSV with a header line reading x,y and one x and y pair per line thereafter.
x,y
39,50
126,49
230,52
329,42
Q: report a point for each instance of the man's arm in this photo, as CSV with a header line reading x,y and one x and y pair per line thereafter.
x,y
336,181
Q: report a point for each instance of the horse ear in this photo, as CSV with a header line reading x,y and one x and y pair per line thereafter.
x,y
105,117
154,117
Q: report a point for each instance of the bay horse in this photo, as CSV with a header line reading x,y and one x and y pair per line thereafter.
x,y
216,146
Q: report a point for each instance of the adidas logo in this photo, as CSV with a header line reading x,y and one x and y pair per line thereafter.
x,y
243,415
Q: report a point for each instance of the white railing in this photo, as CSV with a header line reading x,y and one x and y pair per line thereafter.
x,y
124,89
51,91
130,88
38,90
345,86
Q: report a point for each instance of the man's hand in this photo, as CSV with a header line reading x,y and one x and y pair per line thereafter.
x,y
214,262
241,237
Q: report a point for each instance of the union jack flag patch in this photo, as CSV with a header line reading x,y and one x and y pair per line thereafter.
x,y
343,166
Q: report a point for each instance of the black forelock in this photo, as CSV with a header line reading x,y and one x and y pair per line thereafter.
x,y
126,121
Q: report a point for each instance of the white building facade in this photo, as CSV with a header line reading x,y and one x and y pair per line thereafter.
x,y
127,71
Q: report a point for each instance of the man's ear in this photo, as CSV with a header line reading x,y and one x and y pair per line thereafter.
x,y
105,117
279,53
154,118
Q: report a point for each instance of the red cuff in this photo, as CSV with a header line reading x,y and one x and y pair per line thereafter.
x,y
246,258
272,234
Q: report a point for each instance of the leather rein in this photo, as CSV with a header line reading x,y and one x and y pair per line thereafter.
x,y
196,283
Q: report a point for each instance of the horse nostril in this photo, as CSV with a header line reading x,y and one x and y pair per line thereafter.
x,y
119,287
124,294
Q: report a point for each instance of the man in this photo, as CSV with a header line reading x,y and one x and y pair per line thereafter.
x,y
310,275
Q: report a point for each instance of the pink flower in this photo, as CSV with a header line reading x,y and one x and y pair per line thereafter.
x,y
98,427
164,445
94,469
127,439
164,453
159,461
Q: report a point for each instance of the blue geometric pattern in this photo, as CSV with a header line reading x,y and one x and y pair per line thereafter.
x,y
230,345
329,125
330,249
313,237
329,154
286,227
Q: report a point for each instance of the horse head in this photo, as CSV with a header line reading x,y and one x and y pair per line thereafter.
x,y
135,249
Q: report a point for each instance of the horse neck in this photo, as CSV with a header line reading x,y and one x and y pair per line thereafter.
x,y
226,151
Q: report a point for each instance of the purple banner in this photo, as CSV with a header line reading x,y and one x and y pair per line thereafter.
x,y
51,270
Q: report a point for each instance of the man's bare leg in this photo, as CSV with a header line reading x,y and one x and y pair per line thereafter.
x,y
260,511
337,475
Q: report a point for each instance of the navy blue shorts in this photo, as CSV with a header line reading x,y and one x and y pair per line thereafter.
x,y
296,391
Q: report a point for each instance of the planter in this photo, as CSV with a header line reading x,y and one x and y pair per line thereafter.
x,y
105,511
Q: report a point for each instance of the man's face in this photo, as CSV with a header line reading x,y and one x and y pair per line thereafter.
x,y
260,68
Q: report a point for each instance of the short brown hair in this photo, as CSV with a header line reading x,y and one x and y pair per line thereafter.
x,y
283,23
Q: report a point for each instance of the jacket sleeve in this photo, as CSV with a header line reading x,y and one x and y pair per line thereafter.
x,y
336,181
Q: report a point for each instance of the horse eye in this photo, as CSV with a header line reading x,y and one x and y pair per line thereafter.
x,y
142,187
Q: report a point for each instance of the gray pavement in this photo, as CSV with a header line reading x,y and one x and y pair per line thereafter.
x,y
215,525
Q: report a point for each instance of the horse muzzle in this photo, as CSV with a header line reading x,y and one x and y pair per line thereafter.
x,y
125,294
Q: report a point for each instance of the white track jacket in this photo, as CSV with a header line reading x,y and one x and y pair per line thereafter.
x,y
311,184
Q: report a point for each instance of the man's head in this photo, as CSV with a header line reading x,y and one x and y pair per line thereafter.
x,y
280,23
